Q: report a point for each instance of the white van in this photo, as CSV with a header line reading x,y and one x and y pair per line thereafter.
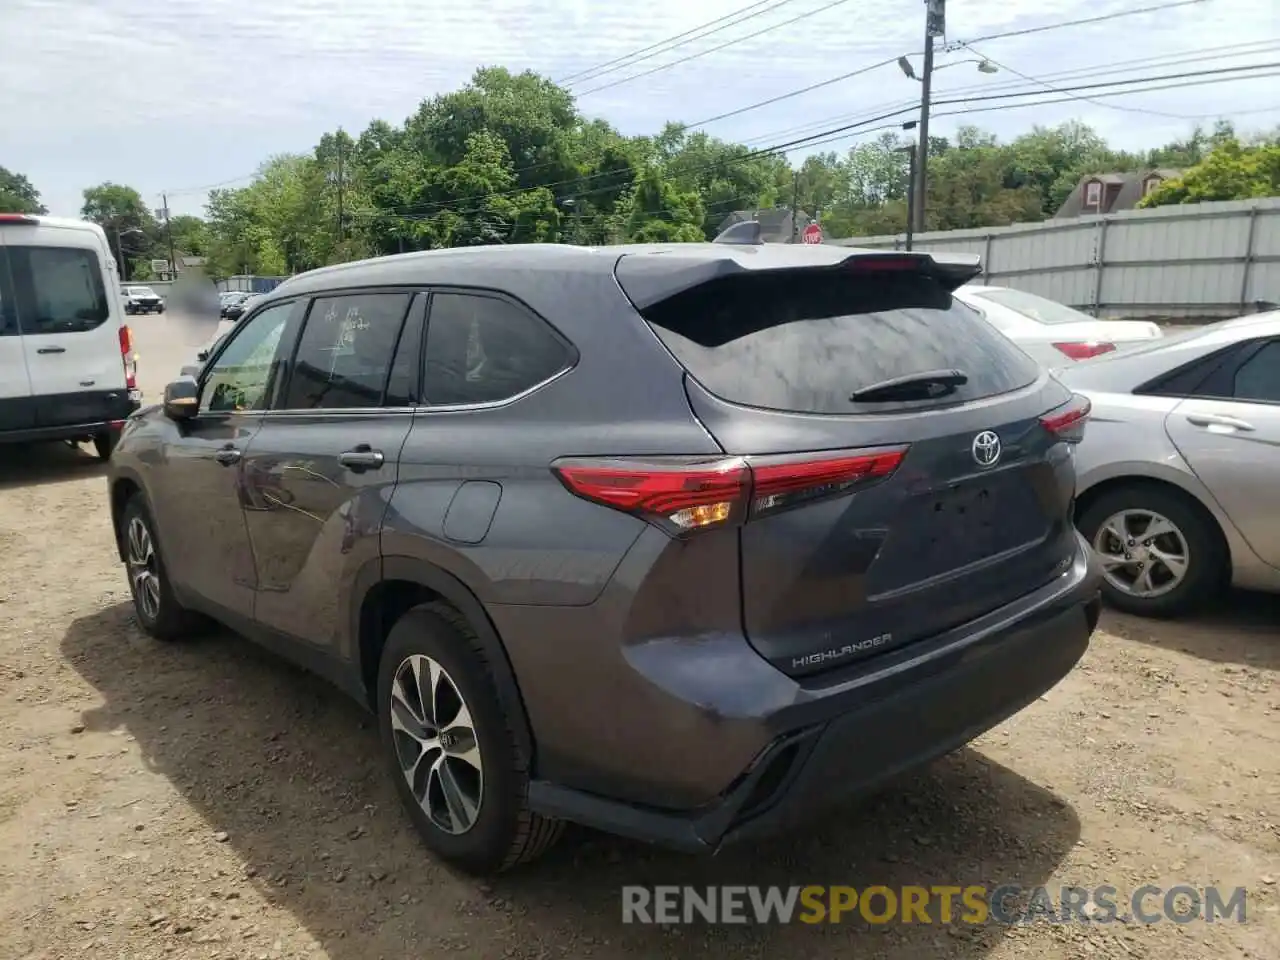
x,y
66,357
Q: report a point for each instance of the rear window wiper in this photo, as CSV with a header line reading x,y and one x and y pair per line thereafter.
x,y
928,385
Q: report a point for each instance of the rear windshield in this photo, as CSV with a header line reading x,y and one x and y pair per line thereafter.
x,y
57,289
804,341
1029,305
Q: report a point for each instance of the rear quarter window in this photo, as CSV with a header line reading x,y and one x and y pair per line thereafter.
x,y
803,341
58,289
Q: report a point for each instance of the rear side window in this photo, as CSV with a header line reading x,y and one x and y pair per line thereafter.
x,y
804,340
58,289
1258,378
483,350
345,351
8,306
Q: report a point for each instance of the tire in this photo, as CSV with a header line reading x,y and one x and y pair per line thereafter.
x,y
104,443
1206,561
169,620
503,832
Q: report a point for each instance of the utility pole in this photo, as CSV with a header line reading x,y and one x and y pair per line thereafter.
x,y
911,201
124,261
935,26
795,207
173,262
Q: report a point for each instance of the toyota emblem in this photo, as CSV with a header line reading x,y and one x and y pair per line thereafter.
x,y
986,449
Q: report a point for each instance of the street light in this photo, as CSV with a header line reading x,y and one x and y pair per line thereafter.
x,y
934,27
124,261
910,151
984,66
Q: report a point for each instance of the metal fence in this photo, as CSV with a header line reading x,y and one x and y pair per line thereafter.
x,y
1193,261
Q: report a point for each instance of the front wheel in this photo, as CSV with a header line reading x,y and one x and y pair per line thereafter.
x,y
158,611
1162,554
450,747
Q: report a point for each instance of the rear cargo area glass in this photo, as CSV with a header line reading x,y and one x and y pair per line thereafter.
x,y
805,340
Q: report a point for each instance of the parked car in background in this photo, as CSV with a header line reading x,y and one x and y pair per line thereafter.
x,y
603,535
1179,475
142,300
67,370
235,309
1052,333
229,299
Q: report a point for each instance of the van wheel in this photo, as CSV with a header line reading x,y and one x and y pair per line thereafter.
x,y
105,443
158,611
1162,554
450,747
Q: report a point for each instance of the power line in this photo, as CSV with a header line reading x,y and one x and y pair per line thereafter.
x,y
718,47
617,63
865,126
1084,21
994,36
854,125
1121,66
808,89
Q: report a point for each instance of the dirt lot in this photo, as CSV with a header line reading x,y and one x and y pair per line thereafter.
x,y
205,800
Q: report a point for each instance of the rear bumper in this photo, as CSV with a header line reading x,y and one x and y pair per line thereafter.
x,y
66,416
833,743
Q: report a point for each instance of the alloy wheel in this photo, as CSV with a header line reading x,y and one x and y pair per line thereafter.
x,y
1143,553
143,565
436,744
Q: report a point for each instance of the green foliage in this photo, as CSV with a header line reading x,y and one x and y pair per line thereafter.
x,y
1230,171
17,195
508,158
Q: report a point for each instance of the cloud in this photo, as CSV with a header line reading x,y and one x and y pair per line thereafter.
x,y
167,96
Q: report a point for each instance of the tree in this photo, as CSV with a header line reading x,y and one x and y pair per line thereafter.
x,y
1231,171
17,195
126,219
659,212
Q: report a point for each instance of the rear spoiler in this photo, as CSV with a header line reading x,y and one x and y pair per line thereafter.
x,y
650,278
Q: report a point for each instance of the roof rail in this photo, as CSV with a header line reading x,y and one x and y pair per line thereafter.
x,y
746,233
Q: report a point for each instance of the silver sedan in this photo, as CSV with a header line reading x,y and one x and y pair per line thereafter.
x,y
1179,471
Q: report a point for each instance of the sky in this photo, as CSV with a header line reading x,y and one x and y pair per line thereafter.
x,y
178,96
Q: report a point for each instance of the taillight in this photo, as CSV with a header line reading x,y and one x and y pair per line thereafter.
x,y
126,348
1084,349
17,218
884,263
683,494
1067,422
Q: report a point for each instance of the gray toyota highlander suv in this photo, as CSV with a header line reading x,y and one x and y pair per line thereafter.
x,y
683,542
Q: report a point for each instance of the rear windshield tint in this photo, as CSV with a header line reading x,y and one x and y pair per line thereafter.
x,y
804,341
58,289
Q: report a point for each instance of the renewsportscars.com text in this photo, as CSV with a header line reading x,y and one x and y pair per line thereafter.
x,y
974,904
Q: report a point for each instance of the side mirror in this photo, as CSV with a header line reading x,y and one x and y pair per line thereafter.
x,y
182,399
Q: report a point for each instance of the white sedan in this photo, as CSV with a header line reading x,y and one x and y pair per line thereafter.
x,y
1051,332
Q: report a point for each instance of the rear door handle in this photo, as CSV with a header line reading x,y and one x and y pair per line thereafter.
x,y
363,457
51,350
227,456
1218,420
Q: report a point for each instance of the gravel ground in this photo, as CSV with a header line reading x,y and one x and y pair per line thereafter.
x,y
206,800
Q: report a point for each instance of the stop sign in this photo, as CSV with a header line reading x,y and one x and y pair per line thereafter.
x,y
812,234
